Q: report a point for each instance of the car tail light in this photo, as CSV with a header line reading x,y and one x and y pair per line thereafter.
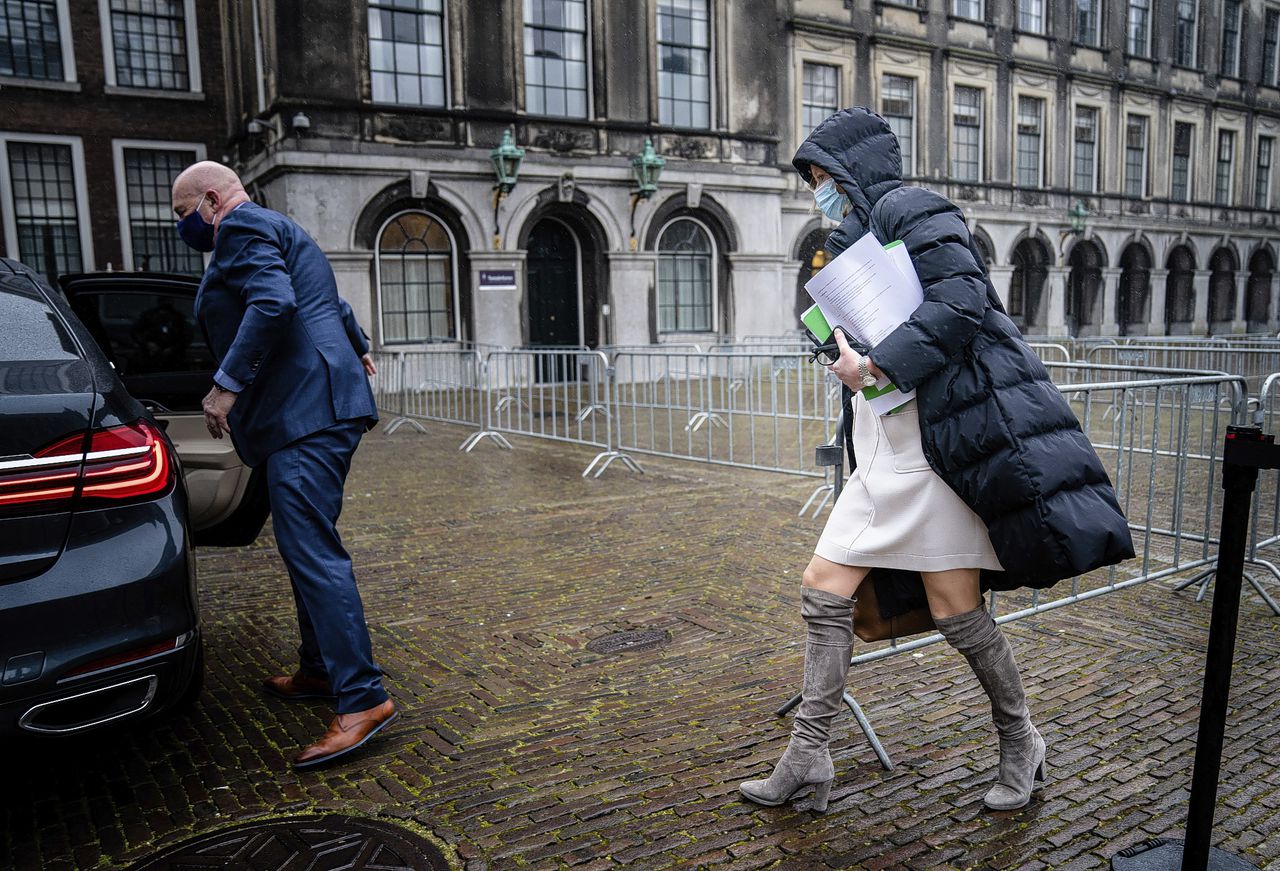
x,y
127,656
104,466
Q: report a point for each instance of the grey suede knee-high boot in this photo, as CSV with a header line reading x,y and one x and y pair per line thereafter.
x,y
1022,750
807,762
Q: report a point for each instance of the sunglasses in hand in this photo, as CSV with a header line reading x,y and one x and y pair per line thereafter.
x,y
828,353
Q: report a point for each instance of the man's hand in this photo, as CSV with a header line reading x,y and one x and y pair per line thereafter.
x,y
369,368
846,368
217,405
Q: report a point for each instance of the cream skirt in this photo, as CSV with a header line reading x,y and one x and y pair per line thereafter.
x,y
895,512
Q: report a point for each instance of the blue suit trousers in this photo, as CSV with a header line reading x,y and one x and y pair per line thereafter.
x,y
305,480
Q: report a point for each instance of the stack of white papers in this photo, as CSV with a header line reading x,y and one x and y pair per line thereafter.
x,y
870,290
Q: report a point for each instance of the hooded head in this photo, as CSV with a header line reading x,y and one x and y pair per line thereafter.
x,y
857,149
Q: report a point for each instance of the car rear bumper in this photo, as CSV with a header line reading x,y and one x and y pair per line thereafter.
x,y
122,591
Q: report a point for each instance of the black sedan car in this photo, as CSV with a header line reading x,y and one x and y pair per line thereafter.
x,y
98,612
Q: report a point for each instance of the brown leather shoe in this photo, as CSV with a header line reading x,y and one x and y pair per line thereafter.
x,y
346,733
296,686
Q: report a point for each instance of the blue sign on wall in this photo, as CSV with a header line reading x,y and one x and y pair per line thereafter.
x,y
497,279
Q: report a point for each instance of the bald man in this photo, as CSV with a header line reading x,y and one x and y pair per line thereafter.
x,y
292,392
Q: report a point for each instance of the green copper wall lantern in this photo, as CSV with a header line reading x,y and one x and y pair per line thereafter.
x,y
506,159
647,168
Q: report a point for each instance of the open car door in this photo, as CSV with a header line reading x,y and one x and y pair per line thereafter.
x,y
145,324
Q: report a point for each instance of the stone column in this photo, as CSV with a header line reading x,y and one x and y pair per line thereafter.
x,y
499,316
1240,325
353,271
1200,326
633,278
1110,292
1001,276
1056,293
1159,287
760,306
1273,316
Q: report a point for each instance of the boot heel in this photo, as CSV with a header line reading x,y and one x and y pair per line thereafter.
x,y
1041,771
821,793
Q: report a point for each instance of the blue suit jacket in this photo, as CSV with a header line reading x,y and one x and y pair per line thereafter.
x,y
269,307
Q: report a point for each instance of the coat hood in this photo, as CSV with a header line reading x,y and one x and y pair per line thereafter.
x,y
857,148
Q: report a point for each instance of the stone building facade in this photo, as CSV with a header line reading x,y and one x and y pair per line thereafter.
x,y
1160,123
102,102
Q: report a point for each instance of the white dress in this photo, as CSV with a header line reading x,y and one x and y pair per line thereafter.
x,y
895,512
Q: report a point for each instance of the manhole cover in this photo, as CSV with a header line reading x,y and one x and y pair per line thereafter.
x,y
325,843
623,642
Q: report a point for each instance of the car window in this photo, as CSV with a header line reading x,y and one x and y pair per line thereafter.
x,y
29,328
147,332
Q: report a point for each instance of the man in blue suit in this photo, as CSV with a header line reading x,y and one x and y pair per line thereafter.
x,y
292,393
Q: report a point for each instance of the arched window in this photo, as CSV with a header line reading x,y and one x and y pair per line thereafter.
x,y
1257,306
686,278
984,248
1222,289
1133,299
1084,290
1180,291
1026,285
417,280
813,257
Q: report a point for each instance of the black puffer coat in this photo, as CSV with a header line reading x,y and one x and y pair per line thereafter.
x,y
993,425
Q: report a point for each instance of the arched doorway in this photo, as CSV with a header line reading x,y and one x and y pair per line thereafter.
x,y
811,247
1030,263
554,269
1222,290
1133,297
1257,306
1180,292
1084,290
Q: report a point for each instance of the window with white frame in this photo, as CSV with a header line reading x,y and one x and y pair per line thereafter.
x,y
150,45
898,106
1087,22
1262,174
686,278
1085,150
148,175
1270,41
684,63
1139,35
1031,16
555,57
966,134
1030,142
820,95
967,9
1224,177
34,41
42,203
417,286
1230,38
1135,156
1184,32
1180,178
407,52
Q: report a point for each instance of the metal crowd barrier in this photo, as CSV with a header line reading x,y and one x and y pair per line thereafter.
x,y
442,384
1252,363
560,395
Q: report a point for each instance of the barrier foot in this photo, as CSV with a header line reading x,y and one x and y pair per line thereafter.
x,y
863,723
823,490
695,423
1205,577
399,421
609,457
885,762
1258,588
476,437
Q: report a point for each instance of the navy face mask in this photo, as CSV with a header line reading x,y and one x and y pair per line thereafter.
x,y
195,230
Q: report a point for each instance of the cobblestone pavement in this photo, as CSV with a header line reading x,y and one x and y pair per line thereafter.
x,y
485,575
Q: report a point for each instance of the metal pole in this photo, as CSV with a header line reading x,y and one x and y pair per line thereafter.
x,y
1238,482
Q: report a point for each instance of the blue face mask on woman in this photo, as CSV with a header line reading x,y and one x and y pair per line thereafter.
x,y
195,230
830,201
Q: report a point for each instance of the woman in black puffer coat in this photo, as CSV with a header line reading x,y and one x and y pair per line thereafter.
x,y
987,482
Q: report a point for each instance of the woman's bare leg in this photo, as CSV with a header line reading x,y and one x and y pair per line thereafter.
x,y
952,592
823,574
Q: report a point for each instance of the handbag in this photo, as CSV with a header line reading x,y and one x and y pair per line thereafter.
x,y
871,625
